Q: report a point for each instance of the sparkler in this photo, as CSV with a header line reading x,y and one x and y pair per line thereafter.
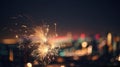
x,y
42,49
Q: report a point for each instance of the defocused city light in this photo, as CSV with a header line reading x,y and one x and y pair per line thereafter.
x,y
11,56
82,35
84,44
29,65
95,57
75,57
119,58
109,38
35,62
109,41
60,59
62,66
9,41
89,50
17,36
72,64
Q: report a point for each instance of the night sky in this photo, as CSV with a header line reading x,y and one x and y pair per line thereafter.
x,y
76,16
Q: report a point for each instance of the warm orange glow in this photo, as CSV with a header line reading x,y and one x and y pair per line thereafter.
x,y
60,59
35,62
95,57
109,39
81,52
11,55
9,41
117,39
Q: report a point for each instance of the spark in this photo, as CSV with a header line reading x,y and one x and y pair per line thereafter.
x,y
24,26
